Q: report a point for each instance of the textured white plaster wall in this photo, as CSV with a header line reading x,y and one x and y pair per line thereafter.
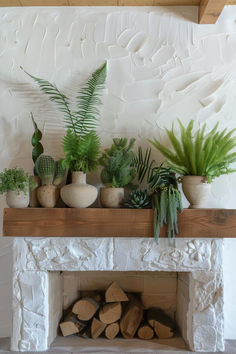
x,y
161,66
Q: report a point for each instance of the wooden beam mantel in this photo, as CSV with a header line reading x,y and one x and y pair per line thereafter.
x,y
210,10
92,222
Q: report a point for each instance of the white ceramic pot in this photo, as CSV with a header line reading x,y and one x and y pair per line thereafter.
x,y
48,195
17,199
196,190
112,197
79,194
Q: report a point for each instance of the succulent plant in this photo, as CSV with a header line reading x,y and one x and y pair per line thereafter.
x,y
138,200
60,172
35,141
45,167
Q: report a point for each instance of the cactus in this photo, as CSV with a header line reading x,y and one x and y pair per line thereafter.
x,y
35,141
60,172
45,167
138,200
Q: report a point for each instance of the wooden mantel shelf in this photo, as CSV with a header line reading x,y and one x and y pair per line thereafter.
x,y
92,222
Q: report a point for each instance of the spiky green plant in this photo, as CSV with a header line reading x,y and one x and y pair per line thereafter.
x,y
166,198
50,171
81,143
35,141
138,199
116,161
45,166
201,154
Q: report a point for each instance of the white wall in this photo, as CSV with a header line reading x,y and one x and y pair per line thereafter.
x,y
161,65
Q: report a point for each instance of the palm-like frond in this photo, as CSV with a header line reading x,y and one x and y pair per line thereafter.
x,y
199,154
89,100
143,164
56,96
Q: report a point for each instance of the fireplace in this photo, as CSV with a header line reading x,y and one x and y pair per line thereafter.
x,y
49,272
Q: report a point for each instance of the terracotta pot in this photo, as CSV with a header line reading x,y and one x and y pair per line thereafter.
x,y
112,197
196,190
34,203
17,199
79,194
48,195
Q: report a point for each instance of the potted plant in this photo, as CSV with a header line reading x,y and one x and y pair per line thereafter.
x,y
36,152
164,193
117,172
15,183
51,174
199,158
81,143
138,199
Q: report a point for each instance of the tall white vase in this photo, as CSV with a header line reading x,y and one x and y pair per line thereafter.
x,y
196,190
79,194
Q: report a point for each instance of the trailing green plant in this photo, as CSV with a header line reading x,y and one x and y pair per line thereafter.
x,y
117,171
165,196
81,143
201,154
49,171
35,141
14,179
138,199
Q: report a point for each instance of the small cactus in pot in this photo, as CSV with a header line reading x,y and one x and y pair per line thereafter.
x,y
51,174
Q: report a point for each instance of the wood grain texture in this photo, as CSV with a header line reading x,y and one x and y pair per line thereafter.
x,y
210,10
92,222
8,3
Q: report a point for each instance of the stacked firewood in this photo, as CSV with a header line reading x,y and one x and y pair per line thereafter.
x,y
115,312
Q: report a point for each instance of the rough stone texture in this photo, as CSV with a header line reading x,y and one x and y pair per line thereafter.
x,y
36,318
30,311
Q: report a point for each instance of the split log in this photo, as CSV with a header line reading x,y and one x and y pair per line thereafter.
x,y
85,308
110,313
145,331
115,294
131,318
162,324
95,295
112,330
71,325
97,328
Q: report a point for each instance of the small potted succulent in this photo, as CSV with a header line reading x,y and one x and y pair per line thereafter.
x,y
117,172
15,183
51,174
138,199
199,158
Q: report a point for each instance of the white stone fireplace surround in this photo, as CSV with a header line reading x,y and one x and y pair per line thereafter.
x,y
37,289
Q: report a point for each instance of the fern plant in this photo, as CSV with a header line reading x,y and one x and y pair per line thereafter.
x,y
201,154
81,142
116,161
166,198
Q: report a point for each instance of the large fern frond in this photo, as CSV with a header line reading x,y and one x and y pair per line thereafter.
x,y
88,101
59,98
